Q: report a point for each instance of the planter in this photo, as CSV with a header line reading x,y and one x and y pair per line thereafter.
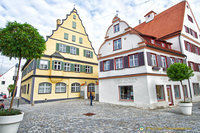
x,y
10,124
186,108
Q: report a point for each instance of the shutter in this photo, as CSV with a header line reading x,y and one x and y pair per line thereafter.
x,y
91,69
62,65
72,67
199,50
176,59
149,59
67,49
111,64
141,58
185,45
84,52
159,61
184,61
101,66
77,51
53,65
81,67
57,46
125,60
197,68
91,55
168,62
192,48
84,68
48,64
38,64
189,64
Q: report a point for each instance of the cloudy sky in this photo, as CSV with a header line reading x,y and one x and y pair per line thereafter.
x,y
96,15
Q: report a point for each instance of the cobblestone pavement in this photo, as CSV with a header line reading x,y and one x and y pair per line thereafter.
x,y
67,117
8,100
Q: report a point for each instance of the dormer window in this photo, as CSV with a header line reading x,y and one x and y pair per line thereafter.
x,y
163,45
116,28
152,41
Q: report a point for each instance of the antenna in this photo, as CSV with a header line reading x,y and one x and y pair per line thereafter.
x,y
117,12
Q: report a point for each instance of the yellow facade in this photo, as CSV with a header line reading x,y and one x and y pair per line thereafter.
x,y
68,62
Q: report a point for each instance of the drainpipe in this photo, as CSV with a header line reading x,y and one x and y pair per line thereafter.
x,y
186,64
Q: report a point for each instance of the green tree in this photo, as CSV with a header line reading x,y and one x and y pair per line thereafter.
x,y
11,88
21,41
179,72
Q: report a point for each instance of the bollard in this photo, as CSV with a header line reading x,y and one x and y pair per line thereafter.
x,y
91,99
18,102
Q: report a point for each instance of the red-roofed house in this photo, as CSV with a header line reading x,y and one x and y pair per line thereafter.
x,y
133,61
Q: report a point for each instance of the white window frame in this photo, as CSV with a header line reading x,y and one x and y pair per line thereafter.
x,y
44,64
116,28
172,60
88,69
106,65
77,68
163,61
134,60
73,50
117,44
88,53
153,60
91,87
57,65
119,63
67,67
60,88
75,87
44,88
62,48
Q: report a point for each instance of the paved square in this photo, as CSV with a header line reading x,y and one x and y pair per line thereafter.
x,y
67,117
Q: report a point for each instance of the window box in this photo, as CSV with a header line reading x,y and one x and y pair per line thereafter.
x,y
164,69
155,68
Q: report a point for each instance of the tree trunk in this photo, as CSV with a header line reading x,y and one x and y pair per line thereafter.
x,y
183,90
11,103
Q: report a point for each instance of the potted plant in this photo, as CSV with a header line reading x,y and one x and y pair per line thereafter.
x,y
18,41
180,72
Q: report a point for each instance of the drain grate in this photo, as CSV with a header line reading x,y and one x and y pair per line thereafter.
x,y
89,114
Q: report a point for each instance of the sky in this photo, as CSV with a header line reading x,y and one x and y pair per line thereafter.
x,y
96,16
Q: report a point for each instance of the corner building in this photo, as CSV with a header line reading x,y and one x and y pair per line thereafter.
x,y
68,68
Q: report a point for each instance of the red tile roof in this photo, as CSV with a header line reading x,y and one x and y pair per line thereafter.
x,y
165,23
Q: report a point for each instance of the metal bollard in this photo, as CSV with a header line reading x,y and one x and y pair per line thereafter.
x,y
18,102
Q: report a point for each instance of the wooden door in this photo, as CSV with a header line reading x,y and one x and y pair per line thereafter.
x,y
169,95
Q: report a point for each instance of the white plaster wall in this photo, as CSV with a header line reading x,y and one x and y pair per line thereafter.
x,y
148,19
109,91
175,43
129,41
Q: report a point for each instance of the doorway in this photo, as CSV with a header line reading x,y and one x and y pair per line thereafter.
x,y
169,95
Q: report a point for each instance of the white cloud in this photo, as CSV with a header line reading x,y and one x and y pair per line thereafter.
x,y
96,15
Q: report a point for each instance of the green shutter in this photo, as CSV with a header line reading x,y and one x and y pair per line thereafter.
x,y
84,68
57,46
66,36
67,49
62,65
53,65
48,64
77,51
72,67
84,52
81,68
91,69
91,55
38,64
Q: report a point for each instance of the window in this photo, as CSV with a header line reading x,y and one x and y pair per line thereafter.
x,y
187,30
185,90
73,38
172,60
3,82
91,87
164,62
198,67
189,47
57,65
153,60
118,63
179,61
163,45
152,41
44,64
133,60
67,66
88,69
177,91
75,87
126,92
191,65
190,18
66,36
116,28
73,50
160,92
196,89
62,48
106,65
80,40
44,88
60,88
77,68
196,49
73,24
117,44
74,16
88,53
28,89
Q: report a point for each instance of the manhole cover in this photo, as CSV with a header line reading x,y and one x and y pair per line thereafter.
x,y
89,114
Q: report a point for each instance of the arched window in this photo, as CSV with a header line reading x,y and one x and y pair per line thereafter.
x,y
75,87
91,87
60,88
44,88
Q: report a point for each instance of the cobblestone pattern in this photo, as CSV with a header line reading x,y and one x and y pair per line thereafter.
x,y
67,117
8,100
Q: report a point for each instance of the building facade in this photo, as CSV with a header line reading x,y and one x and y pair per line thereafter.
x,y
133,61
8,78
68,67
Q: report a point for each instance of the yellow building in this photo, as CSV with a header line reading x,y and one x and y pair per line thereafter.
x,y
68,68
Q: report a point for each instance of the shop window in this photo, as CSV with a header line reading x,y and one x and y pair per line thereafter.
x,y
126,93
160,92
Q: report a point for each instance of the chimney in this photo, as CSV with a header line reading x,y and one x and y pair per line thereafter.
x,y
58,22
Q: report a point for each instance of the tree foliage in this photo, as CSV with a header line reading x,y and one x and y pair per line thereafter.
x,y
11,87
21,41
179,72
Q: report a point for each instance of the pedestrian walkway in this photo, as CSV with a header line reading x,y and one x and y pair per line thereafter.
x,y
70,117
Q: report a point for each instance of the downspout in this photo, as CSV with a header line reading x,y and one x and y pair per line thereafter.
x,y
186,64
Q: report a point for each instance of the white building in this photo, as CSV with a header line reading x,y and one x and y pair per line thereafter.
x,y
133,61
8,78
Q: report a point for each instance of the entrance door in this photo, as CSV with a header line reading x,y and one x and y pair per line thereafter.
x,y
91,88
169,94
